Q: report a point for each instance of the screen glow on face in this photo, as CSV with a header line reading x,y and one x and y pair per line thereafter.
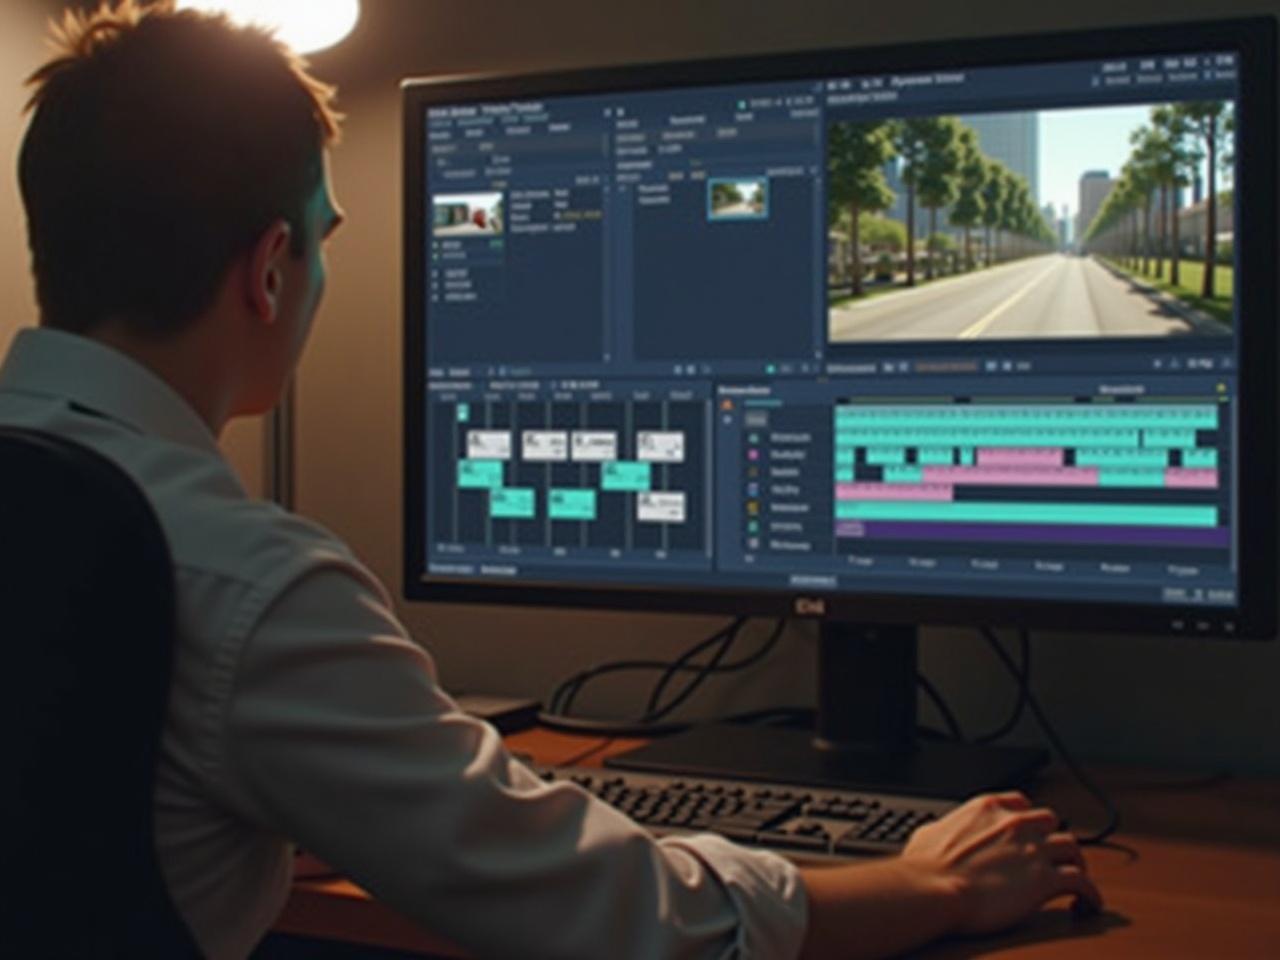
x,y
305,25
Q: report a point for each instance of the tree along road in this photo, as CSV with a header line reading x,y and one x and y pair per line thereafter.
x,y
1054,295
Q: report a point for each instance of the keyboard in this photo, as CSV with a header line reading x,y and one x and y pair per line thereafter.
x,y
800,823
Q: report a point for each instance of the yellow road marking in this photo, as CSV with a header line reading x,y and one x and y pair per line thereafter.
x,y
976,328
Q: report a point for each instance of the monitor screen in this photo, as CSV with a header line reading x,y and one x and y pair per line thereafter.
x,y
975,331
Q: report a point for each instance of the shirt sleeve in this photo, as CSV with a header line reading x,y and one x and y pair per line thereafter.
x,y
338,738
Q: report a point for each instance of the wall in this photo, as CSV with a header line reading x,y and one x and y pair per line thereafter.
x,y
21,27
23,30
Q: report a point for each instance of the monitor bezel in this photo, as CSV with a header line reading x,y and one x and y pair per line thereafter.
x,y
1256,615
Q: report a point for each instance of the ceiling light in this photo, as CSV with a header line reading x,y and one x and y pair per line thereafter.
x,y
305,25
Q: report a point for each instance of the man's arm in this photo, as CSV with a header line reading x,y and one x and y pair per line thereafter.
x,y
982,868
337,736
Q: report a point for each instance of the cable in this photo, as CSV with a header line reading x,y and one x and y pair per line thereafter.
x,y
1019,706
561,700
557,717
1087,782
654,712
591,751
948,717
683,663
768,716
607,728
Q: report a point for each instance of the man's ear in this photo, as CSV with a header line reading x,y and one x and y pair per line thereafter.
x,y
266,270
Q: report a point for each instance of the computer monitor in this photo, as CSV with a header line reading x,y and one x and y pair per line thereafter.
x,y
979,332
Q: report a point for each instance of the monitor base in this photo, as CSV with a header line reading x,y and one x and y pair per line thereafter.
x,y
926,769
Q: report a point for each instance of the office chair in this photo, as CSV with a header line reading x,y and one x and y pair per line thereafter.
x,y
86,633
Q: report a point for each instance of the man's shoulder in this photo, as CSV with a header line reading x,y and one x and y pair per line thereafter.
x,y
213,526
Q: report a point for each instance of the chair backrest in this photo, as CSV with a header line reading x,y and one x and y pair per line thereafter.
x,y
86,640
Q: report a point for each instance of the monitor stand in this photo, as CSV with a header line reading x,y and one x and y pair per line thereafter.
x,y
865,737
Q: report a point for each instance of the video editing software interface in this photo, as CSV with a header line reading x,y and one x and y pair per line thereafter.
x,y
680,338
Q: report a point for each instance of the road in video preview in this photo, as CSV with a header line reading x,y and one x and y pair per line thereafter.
x,y
992,259
956,332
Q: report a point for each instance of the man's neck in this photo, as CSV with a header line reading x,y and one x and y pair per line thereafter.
x,y
193,367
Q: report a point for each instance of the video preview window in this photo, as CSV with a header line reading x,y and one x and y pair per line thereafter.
x,y
1075,223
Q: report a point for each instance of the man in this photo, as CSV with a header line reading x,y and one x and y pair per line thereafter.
x,y
177,197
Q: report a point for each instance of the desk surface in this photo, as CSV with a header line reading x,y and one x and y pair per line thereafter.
x,y
1194,872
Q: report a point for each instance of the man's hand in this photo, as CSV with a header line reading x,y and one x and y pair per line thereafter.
x,y
986,865
1007,858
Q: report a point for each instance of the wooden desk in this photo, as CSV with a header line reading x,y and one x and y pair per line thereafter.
x,y
1200,877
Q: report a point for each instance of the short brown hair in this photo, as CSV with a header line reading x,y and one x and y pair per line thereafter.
x,y
163,142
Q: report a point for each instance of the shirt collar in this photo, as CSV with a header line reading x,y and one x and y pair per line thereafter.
x,y
66,366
